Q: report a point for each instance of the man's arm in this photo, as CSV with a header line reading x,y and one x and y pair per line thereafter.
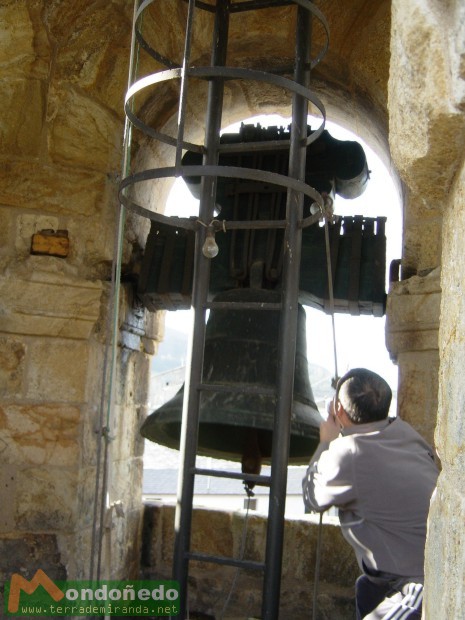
x,y
308,482
328,481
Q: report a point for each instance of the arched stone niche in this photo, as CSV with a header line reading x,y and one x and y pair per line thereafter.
x,y
351,79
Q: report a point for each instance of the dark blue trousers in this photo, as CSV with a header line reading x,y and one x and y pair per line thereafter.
x,y
388,600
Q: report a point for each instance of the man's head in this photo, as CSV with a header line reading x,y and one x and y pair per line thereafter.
x,y
364,396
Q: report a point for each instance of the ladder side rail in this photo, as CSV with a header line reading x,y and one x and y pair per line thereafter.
x,y
191,404
287,346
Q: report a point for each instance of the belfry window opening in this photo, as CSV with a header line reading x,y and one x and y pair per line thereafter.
x,y
360,340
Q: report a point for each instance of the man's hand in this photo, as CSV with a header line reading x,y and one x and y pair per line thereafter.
x,y
330,428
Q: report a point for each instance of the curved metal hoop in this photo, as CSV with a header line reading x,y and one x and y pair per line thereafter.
x,y
176,72
229,172
235,8
227,73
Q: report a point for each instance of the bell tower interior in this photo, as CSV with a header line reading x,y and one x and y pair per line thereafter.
x,y
76,341
254,246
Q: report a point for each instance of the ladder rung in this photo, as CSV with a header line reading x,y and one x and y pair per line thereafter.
x,y
264,481
243,305
205,557
255,224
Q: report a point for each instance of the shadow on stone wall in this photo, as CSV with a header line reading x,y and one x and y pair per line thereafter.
x,y
221,533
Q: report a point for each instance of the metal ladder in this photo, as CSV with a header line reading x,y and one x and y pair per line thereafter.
x,y
277,482
293,224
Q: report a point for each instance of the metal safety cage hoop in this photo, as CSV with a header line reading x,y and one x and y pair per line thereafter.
x,y
181,72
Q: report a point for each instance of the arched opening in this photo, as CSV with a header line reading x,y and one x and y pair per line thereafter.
x,y
359,339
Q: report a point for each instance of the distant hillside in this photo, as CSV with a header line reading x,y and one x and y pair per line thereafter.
x,y
172,352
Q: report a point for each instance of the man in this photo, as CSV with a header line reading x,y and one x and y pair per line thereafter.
x,y
381,474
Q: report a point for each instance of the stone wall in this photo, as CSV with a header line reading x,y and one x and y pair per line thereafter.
x,y
427,132
445,557
412,323
64,72
223,592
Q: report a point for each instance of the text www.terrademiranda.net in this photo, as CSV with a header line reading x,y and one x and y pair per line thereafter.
x,y
41,596
109,609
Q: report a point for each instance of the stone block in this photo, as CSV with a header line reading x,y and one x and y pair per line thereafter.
x,y
7,495
445,549
221,533
132,327
23,105
154,331
413,310
419,84
450,431
26,553
40,434
85,133
17,49
127,441
417,392
46,499
121,557
421,244
89,434
158,543
27,224
126,482
457,55
92,241
135,367
122,530
53,189
130,409
86,497
221,536
48,304
75,552
6,231
57,371
103,32
50,243
12,366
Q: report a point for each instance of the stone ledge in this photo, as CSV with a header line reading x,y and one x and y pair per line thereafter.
x,y
49,304
220,532
412,315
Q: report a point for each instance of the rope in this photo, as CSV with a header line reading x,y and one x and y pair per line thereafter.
x,y
327,215
316,581
241,555
330,287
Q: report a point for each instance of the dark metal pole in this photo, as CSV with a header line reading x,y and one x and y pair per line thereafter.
x,y
191,405
292,252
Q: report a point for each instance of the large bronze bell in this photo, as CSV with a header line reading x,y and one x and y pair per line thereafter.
x,y
241,349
